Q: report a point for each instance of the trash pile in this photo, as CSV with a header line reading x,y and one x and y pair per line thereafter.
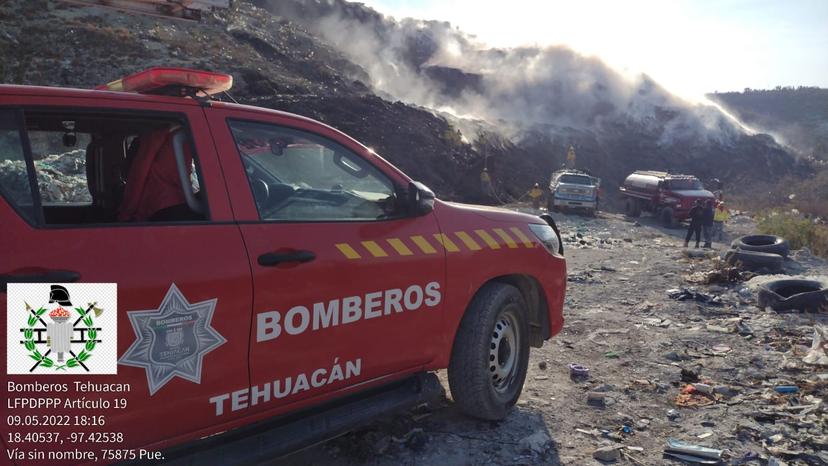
x,y
721,273
600,240
61,178
691,294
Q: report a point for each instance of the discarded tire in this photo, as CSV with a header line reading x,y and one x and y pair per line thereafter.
x,y
789,295
754,260
762,243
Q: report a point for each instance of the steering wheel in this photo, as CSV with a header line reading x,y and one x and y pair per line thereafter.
x,y
278,195
261,191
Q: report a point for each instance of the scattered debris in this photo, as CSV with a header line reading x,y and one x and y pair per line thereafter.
x,y
691,397
786,389
818,354
692,453
607,454
596,398
578,372
690,294
536,443
720,350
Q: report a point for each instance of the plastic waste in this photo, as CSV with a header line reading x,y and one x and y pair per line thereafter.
x,y
818,354
786,389
578,372
689,452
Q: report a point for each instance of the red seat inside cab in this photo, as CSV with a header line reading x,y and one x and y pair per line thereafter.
x,y
153,187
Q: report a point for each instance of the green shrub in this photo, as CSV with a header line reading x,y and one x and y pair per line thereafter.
x,y
799,231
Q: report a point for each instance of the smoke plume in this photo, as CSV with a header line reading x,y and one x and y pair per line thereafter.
x,y
432,64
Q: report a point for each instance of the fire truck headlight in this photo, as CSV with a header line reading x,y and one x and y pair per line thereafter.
x,y
548,238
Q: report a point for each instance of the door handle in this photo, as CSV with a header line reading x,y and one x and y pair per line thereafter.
x,y
271,259
54,276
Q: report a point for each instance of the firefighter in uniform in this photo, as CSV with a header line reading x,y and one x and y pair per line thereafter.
x,y
486,183
535,193
720,216
570,158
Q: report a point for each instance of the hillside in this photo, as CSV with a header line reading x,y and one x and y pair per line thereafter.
x,y
421,93
799,116
542,99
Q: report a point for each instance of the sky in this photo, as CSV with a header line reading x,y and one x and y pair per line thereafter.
x,y
689,46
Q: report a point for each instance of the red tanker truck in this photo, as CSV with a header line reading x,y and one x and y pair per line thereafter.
x,y
669,196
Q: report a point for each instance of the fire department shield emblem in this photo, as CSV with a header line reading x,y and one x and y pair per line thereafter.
x,y
171,341
173,338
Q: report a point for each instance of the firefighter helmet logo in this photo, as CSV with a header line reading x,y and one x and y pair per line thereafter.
x,y
173,339
59,337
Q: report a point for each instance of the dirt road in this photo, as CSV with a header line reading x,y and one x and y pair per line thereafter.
x,y
642,348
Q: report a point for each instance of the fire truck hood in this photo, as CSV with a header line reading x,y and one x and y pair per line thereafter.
x,y
496,213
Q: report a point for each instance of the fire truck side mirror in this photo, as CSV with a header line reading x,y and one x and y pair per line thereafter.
x,y
420,199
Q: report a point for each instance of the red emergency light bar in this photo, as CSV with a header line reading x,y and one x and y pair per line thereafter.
x,y
171,81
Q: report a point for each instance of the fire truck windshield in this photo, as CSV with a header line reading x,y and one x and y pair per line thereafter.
x,y
576,179
684,185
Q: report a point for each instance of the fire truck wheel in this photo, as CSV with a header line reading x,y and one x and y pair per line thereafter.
x,y
491,353
667,219
632,208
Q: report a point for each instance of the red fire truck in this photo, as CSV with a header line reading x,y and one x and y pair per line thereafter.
x,y
667,195
277,281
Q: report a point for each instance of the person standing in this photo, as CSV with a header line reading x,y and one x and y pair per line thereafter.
x,y
570,158
720,216
535,193
707,223
696,216
486,184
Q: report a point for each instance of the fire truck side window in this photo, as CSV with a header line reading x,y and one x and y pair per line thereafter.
x,y
95,168
299,176
14,178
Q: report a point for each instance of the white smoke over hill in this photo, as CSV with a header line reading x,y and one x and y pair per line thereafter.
x,y
431,64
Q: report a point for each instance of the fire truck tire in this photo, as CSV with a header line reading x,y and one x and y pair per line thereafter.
x,y
762,243
491,353
633,208
667,219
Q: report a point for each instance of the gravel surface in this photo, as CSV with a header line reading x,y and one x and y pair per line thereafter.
x,y
642,349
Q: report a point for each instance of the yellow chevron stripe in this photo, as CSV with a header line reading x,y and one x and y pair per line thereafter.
x,y
400,247
487,238
508,239
374,249
468,241
423,244
348,251
522,237
446,242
